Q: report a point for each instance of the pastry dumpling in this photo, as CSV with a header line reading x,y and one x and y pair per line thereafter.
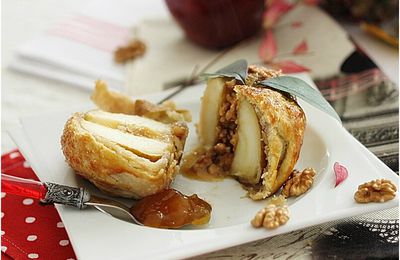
x,y
250,132
131,156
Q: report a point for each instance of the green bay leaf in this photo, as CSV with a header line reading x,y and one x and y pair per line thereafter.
x,y
237,70
299,88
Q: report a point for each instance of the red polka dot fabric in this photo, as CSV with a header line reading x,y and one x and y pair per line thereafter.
x,y
30,230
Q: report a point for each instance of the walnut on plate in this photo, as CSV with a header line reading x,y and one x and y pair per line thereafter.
x,y
299,183
379,190
271,217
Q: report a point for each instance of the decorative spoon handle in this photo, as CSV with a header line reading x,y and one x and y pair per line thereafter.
x,y
76,197
46,192
23,187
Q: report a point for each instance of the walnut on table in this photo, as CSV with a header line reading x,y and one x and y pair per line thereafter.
x,y
271,217
299,183
132,50
379,190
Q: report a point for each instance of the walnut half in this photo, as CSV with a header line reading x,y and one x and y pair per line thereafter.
x,y
132,50
271,217
299,183
379,190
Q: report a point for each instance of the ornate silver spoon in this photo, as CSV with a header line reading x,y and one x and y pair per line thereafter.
x,y
80,198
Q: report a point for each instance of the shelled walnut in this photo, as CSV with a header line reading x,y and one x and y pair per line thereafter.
x,y
299,183
132,50
271,217
379,190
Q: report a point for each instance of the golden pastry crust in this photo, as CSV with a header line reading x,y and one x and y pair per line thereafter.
x,y
257,74
115,102
112,101
117,170
283,123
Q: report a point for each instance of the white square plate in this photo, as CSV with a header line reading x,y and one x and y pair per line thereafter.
x,y
95,235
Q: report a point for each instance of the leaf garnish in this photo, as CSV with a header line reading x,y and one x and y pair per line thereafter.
x,y
237,70
299,88
291,85
341,173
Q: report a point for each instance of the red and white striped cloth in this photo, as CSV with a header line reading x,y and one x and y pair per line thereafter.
x,y
95,33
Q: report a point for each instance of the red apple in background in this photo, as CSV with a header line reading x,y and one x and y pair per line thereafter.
x,y
217,23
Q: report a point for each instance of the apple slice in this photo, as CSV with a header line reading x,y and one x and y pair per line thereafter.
x,y
142,146
113,120
246,163
209,115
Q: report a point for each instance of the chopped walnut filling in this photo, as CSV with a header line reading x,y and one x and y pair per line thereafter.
x,y
222,152
379,190
299,183
215,162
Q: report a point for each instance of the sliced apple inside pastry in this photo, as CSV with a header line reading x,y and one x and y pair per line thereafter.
x,y
210,105
124,155
248,155
253,133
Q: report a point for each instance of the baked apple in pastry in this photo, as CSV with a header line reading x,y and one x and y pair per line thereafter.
x,y
247,131
124,155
